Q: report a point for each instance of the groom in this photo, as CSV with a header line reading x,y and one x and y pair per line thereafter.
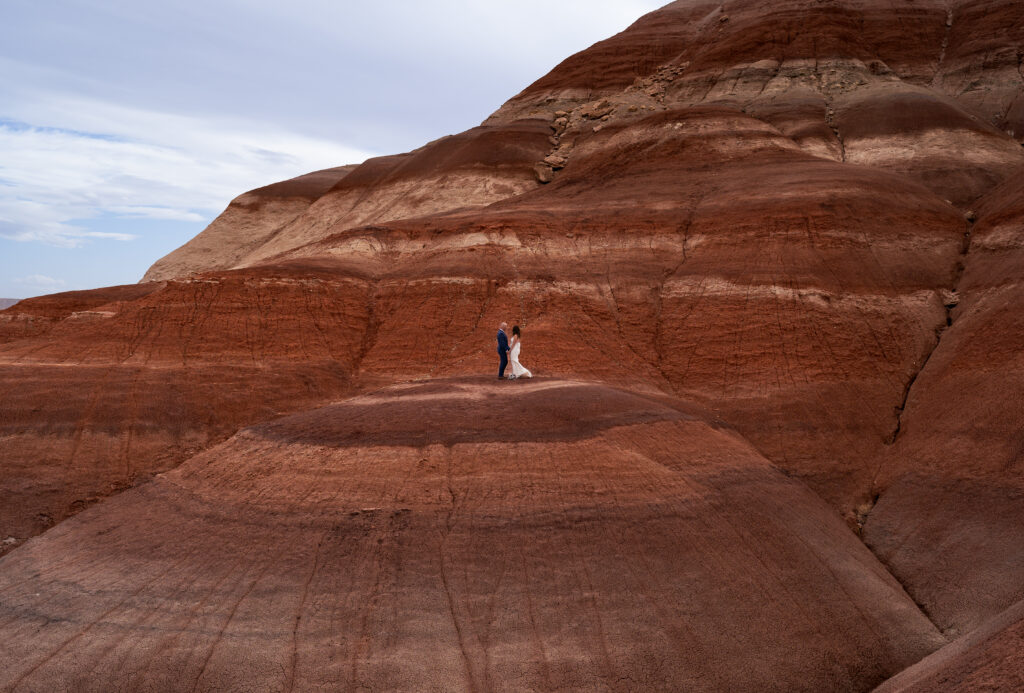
x,y
502,350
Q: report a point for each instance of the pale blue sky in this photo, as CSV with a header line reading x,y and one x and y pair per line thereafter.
x,y
127,125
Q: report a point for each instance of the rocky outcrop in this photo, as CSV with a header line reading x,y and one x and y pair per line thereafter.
x,y
929,89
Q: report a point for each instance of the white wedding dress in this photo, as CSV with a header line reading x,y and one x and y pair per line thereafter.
x,y
518,370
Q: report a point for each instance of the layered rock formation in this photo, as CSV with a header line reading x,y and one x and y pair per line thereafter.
x,y
419,539
950,522
249,222
768,254
471,169
104,388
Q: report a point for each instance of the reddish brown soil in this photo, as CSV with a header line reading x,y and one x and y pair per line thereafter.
x,y
950,524
990,658
770,284
111,390
396,541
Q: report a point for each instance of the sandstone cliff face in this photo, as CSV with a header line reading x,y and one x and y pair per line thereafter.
x,y
767,258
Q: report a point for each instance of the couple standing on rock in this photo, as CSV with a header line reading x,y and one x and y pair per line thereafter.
x,y
507,351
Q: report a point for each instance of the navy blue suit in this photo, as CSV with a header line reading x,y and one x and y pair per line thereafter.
x,y
502,353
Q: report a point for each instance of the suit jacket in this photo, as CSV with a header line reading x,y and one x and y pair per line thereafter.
x,y
502,342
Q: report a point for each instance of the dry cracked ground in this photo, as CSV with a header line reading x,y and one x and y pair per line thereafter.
x,y
769,262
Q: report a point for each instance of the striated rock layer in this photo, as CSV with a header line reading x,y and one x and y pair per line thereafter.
x,y
417,538
778,241
950,524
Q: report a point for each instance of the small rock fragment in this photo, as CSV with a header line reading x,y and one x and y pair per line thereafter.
x,y
544,173
597,109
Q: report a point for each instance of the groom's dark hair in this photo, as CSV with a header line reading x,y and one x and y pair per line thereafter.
x,y
515,331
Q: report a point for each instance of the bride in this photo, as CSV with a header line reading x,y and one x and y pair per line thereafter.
x,y
518,370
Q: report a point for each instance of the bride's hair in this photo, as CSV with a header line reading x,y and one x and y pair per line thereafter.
x,y
516,332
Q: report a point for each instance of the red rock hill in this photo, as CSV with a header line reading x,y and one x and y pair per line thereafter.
x,y
767,261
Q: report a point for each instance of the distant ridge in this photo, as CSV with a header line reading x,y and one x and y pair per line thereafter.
x,y
8,302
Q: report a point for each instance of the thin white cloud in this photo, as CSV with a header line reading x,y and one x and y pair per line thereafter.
x,y
148,212
40,281
75,159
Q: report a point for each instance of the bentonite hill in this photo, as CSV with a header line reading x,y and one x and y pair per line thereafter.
x,y
769,261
